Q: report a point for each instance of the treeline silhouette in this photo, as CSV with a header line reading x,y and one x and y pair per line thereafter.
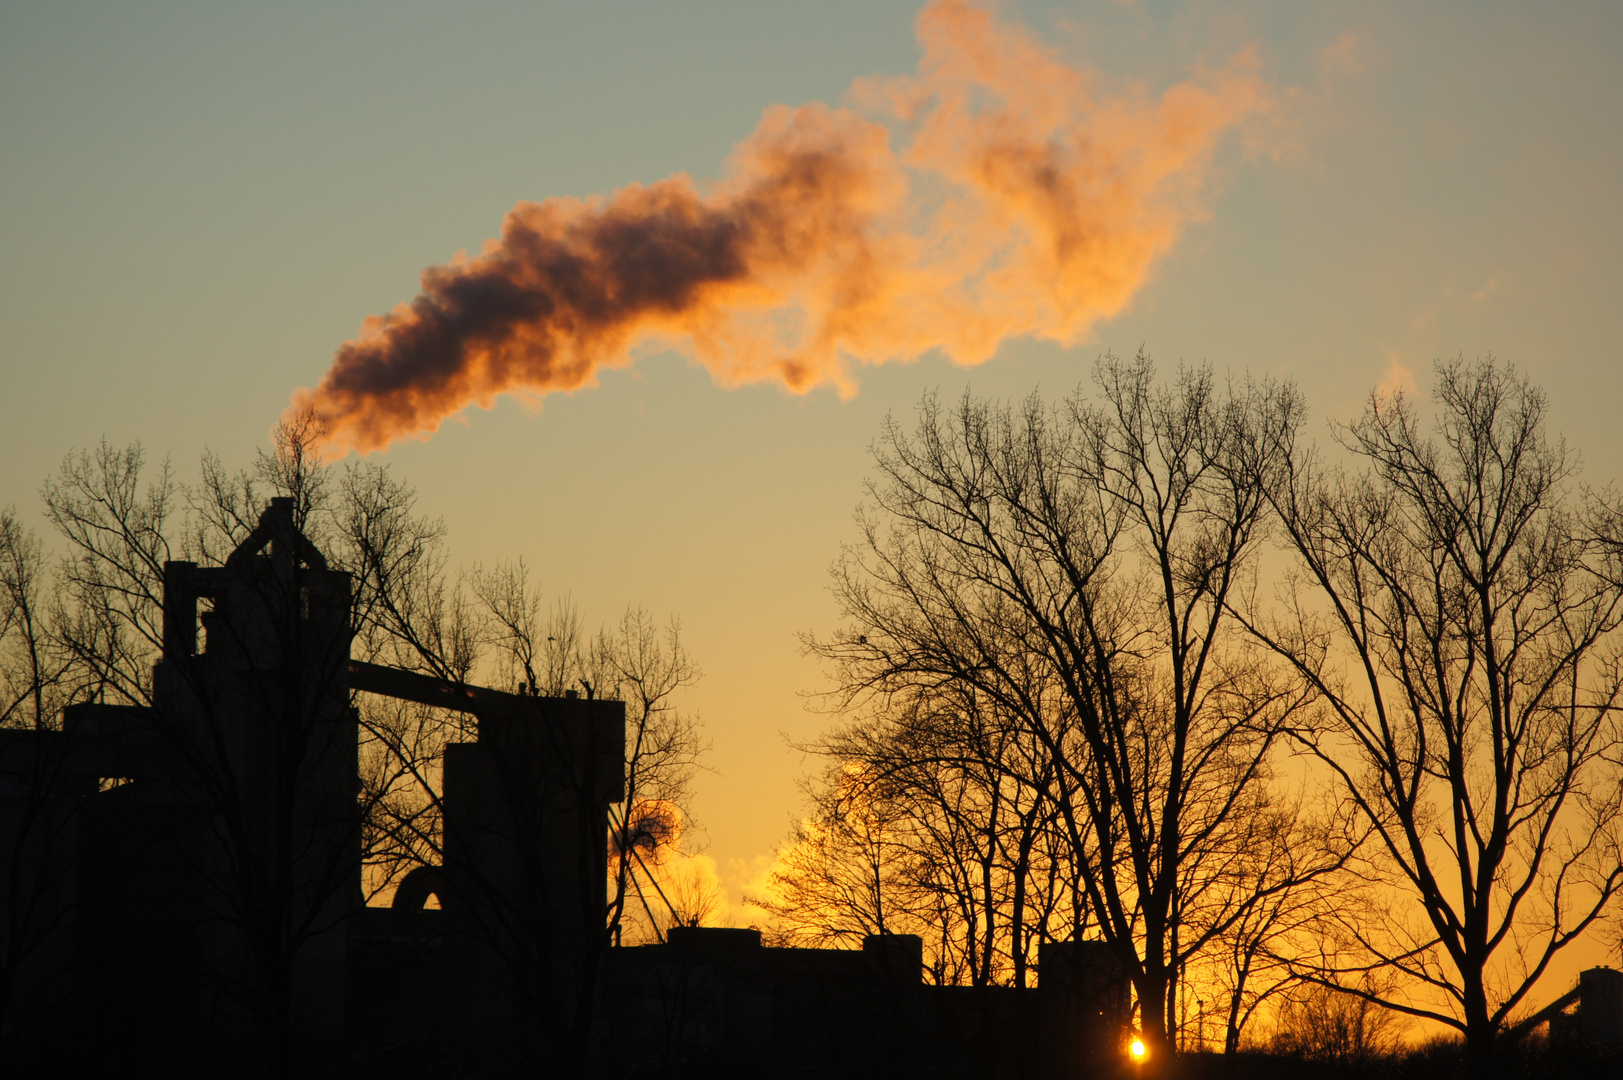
x,y
1270,718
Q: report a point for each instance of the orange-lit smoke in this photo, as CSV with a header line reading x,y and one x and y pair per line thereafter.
x,y
991,194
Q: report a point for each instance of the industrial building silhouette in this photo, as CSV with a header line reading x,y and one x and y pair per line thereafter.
x,y
189,881
183,884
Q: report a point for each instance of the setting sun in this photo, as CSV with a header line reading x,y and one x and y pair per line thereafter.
x,y
1136,1049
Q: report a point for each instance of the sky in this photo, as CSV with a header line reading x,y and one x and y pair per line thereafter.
x,y
201,202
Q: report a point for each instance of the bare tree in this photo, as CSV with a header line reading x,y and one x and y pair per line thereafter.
x,y
31,668
839,874
547,651
1261,954
411,612
647,667
935,818
1074,566
527,887
1457,608
269,776
108,604
1321,1022
38,796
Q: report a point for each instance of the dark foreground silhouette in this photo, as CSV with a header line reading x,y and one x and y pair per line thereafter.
x,y
182,892
182,884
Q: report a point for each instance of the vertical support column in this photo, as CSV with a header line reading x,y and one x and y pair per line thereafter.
x,y
179,609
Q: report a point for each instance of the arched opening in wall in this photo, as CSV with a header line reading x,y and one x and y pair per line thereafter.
x,y
424,889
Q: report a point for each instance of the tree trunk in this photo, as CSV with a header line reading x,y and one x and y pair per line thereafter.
x,y
1480,1033
1152,1023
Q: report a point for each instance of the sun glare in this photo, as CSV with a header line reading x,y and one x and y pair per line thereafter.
x,y
1136,1049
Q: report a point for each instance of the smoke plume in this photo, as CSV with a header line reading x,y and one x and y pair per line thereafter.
x,y
991,194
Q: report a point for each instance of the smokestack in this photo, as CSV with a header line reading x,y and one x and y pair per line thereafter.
x,y
989,195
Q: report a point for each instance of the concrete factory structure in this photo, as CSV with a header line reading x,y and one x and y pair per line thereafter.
x,y
184,883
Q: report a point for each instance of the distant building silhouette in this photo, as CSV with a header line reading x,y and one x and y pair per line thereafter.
x,y
190,879
1598,1018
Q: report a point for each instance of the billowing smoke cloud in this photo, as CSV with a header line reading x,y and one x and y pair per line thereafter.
x,y
991,194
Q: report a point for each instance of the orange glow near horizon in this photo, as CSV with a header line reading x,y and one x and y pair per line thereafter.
x,y
1018,203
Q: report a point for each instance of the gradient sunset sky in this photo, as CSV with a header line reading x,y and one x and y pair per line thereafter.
x,y
200,202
